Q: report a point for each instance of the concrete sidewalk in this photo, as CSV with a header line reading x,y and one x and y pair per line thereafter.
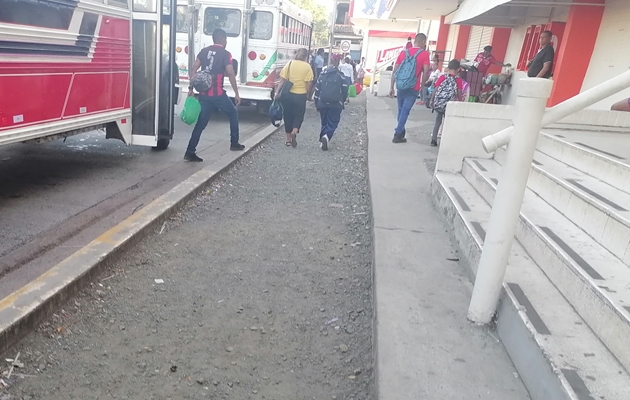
x,y
425,348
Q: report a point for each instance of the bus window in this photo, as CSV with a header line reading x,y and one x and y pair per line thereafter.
x,y
119,3
42,14
227,19
261,25
182,20
148,6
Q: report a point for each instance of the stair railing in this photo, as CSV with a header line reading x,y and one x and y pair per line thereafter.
x,y
529,118
533,94
554,114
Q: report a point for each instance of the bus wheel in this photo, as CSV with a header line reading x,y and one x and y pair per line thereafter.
x,y
162,144
262,107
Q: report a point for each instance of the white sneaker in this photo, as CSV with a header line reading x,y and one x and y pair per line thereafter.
x,y
323,142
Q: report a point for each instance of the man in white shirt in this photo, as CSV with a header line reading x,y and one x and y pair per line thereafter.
x,y
435,74
347,70
319,62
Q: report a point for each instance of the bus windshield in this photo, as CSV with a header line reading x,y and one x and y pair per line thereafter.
x,y
261,25
227,19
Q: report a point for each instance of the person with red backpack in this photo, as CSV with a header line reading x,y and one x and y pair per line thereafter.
x,y
410,74
448,88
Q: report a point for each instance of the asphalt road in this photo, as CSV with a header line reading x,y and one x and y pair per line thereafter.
x,y
58,196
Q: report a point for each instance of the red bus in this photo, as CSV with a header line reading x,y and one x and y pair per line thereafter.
x,y
72,66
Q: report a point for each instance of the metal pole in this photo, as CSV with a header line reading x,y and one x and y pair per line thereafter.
x,y
191,35
506,208
246,19
332,31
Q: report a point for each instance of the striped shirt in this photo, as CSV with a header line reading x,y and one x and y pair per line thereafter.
x,y
216,59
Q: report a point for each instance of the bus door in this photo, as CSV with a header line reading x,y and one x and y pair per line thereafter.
x,y
187,41
153,73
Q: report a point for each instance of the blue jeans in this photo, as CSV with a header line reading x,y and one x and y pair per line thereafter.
x,y
406,99
424,94
211,105
330,121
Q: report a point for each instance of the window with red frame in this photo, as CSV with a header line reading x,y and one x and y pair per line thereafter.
x,y
531,42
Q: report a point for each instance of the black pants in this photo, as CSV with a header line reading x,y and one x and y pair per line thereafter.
x,y
439,118
294,109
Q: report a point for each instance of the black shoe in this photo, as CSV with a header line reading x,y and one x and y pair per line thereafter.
x,y
237,147
434,143
192,157
399,139
324,142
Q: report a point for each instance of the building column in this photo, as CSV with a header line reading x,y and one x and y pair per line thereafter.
x,y
461,46
574,54
499,42
442,35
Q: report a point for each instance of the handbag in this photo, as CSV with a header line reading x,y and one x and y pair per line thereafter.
x,y
190,112
288,85
276,113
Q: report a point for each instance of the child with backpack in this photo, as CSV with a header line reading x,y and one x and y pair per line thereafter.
x,y
410,73
448,87
331,93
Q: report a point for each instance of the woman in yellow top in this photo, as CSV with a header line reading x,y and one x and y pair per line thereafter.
x,y
298,74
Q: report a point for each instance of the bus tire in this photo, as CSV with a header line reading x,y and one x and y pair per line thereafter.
x,y
162,144
262,107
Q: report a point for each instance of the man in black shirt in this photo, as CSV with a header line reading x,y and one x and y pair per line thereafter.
x,y
542,65
219,62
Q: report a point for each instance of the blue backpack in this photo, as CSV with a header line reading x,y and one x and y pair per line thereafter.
x,y
406,77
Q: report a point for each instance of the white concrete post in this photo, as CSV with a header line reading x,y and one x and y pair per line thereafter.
x,y
530,108
373,79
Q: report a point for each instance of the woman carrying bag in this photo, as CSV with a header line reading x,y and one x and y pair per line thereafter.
x,y
296,79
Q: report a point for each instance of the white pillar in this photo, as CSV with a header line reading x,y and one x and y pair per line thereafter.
x,y
530,108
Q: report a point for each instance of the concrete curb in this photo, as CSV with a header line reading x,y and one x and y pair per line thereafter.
x,y
27,306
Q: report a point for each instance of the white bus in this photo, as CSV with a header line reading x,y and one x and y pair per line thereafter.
x,y
263,36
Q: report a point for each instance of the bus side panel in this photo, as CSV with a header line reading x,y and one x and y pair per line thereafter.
x,y
20,104
85,67
90,93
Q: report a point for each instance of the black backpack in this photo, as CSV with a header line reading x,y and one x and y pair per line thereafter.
x,y
331,87
203,80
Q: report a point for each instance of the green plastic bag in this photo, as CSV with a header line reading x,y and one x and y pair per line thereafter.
x,y
191,111
352,91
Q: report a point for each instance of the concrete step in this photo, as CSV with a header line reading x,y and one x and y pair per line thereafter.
x,y
556,353
601,210
592,279
588,158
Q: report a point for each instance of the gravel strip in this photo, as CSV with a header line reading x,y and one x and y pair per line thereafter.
x,y
260,288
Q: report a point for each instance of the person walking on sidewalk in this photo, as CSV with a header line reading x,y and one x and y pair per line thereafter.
x,y
448,87
346,69
292,91
331,92
410,74
215,63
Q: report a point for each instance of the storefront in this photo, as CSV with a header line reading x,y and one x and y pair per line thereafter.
x,y
590,39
